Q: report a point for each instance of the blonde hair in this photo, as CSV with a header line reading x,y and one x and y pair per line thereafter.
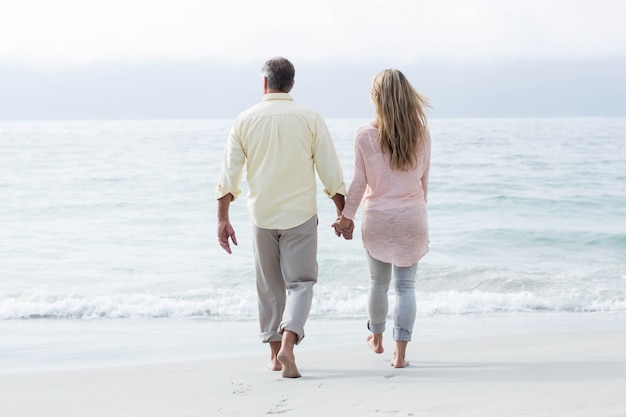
x,y
401,118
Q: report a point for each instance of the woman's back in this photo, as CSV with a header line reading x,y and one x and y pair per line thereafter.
x,y
388,188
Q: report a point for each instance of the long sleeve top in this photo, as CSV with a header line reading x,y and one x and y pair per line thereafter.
x,y
281,144
394,225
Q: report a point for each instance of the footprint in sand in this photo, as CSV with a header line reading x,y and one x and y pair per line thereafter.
x,y
279,408
241,388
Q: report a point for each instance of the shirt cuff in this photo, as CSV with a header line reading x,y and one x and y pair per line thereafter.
x,y
221,192
341,190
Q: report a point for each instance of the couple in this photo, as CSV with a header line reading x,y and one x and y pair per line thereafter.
x,y
282,144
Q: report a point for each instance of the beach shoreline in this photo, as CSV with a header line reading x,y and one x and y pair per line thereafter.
x,y
57,344
548,370
547,374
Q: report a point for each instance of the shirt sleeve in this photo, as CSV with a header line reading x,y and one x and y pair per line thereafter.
x,y
358,184
326,160
231,171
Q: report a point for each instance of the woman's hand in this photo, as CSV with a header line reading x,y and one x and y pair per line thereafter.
x,y
344,227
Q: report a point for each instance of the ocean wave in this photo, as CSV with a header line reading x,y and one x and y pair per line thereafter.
x,y
349,303
133,305
478,302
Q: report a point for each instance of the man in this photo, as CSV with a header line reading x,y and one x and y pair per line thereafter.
x,y
281,144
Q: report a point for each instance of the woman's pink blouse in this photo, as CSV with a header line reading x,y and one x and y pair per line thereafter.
x,y
394,227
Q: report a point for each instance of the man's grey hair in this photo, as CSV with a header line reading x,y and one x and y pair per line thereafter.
x,y
280,74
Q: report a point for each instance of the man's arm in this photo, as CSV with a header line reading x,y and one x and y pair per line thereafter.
x,y
340,202
224,228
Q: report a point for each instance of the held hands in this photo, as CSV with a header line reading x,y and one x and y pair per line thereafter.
x,y
344,227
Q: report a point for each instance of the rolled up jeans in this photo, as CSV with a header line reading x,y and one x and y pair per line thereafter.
x,y
378,301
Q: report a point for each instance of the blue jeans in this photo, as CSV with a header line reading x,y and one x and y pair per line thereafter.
x,y
378,302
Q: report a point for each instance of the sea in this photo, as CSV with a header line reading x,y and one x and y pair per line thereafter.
x,y
109,255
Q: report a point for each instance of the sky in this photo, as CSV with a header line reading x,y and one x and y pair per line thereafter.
x,y
144,59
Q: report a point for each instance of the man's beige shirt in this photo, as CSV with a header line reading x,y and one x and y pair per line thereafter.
x,y
281,144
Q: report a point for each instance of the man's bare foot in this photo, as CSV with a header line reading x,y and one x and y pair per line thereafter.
x,y
288,362
376,342
398,362
275,365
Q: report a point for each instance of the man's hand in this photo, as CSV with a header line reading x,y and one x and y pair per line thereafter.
x,y
224,228
344,227
225,231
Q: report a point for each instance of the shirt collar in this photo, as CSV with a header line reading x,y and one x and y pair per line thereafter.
x,y
277,96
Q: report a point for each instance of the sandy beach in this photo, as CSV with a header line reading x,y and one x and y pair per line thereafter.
x,y
535,374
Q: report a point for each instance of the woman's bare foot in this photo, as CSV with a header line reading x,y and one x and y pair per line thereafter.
x,y
398,362
376,342
399,355
288,362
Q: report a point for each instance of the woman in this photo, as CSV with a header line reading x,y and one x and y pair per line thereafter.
x,y
392,162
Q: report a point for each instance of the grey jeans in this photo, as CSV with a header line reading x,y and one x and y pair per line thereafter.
x,y
378,302
286,270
